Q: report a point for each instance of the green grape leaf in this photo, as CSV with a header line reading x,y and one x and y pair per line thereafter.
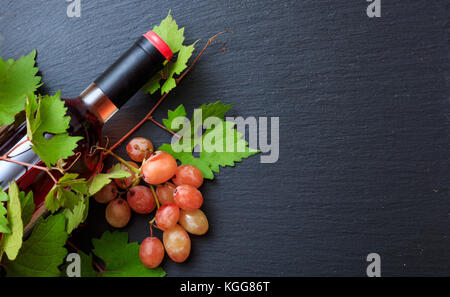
x,y
44,117
67,193
216,109
168,31
174,37
229,137
59,197
153,84
71,180
177,67
171,115
12,242
221,145
43,252
4,224
17,78
27,203
112,244
77,215
102,179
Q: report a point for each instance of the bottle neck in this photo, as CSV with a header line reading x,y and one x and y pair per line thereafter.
x,y
98,103
126,76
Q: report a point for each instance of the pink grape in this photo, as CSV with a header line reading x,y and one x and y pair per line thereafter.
x,y
139,148
159,168
188,175
167,216
118,213
187,197
107,193
165,193
194,221
125,183
177,243
151,252
141,200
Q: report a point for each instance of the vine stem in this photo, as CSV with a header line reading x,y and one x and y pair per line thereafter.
x,y
149,117
15,147
7,159
162,127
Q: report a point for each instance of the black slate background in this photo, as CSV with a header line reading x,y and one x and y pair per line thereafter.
x,y
363,106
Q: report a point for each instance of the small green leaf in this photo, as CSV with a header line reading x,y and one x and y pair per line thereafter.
x,y
168,31
76,216
174,37
171,115
11,243
102,179
67,193
78,185
4,224
27,203
51,202
216,109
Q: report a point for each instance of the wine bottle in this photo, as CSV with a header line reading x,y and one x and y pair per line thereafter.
x,y
88,112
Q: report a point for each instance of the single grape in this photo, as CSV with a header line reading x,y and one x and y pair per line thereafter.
x,y
118,213
125,183
177,243
194,221
188,175
159,168
107,193
187,197
165,193
151,252
167,216
141,200
139,148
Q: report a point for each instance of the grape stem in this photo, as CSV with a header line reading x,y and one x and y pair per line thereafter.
x,y
149,117
151,230
155,196
121,160
157,206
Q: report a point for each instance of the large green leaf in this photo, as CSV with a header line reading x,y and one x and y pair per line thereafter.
x,y
44,251
17,79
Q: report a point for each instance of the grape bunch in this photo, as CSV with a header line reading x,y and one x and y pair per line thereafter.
x,y
177,202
